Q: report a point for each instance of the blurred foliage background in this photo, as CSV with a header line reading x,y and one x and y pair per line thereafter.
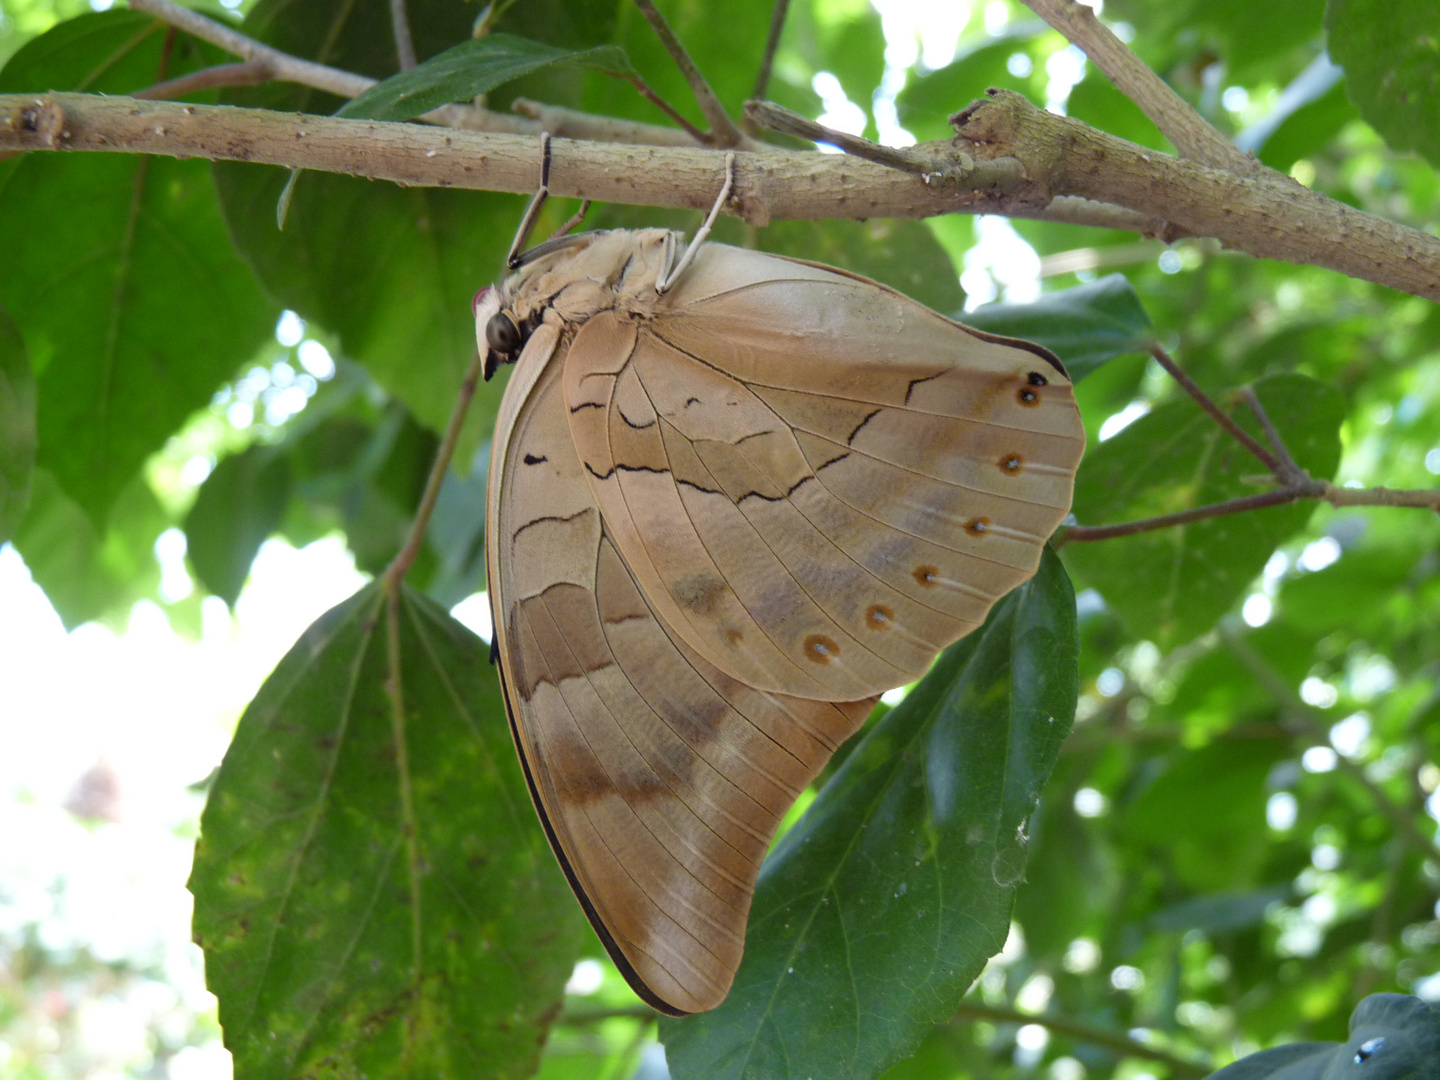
x,y
1238,840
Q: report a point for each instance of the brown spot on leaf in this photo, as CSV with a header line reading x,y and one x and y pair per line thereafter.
x,y
927,576
879,617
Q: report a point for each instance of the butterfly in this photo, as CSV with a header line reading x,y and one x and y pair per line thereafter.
x,y
733,497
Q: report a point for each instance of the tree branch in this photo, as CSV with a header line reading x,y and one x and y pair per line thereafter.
x,y
404,46
773,184
1192,135
1071,173
1117,1041
245,73
772,42
723,132
1269,216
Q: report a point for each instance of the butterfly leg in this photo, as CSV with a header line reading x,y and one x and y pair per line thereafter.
x,y
527,223
667,279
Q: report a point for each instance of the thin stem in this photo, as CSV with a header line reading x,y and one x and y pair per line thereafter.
x,y
403,561
723,132
1239,434
1110,1039
777,26
949,165
664,106
1314,725
1289,471
1082,534
1192,135
404,45
244,73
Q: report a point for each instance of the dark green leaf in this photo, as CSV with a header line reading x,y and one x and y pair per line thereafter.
x,y
1223,847
390,271
17,427
1096,101
89,575
1086,326
238,506
902,254
118,270
1390,50
471,68
1392,1037
375,897
1172,584
877,910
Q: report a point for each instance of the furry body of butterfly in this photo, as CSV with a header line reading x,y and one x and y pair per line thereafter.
x,y
722,519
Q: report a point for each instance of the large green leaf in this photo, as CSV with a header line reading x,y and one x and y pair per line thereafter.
x,y
1390,50
391,271
879,908
1172,584
375,896
17,426
471,68
118,270
1086,326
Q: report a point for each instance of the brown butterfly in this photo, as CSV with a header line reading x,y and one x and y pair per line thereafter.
x,y
733,497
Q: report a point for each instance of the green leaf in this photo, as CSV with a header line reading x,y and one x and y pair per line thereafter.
x,y
902,254
239,505
118,270
389,270
1392,1037
1172,584
376,897
471,68
17,426
1390,50
88,575
1086,326
877,910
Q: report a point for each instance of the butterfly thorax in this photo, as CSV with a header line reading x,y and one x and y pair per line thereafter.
x,y
571,280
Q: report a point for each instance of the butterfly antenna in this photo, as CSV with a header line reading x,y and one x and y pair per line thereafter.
x,y
662,286
532,212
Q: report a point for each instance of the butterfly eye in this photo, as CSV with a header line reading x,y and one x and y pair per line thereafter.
x,y
501,333
1368,1049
